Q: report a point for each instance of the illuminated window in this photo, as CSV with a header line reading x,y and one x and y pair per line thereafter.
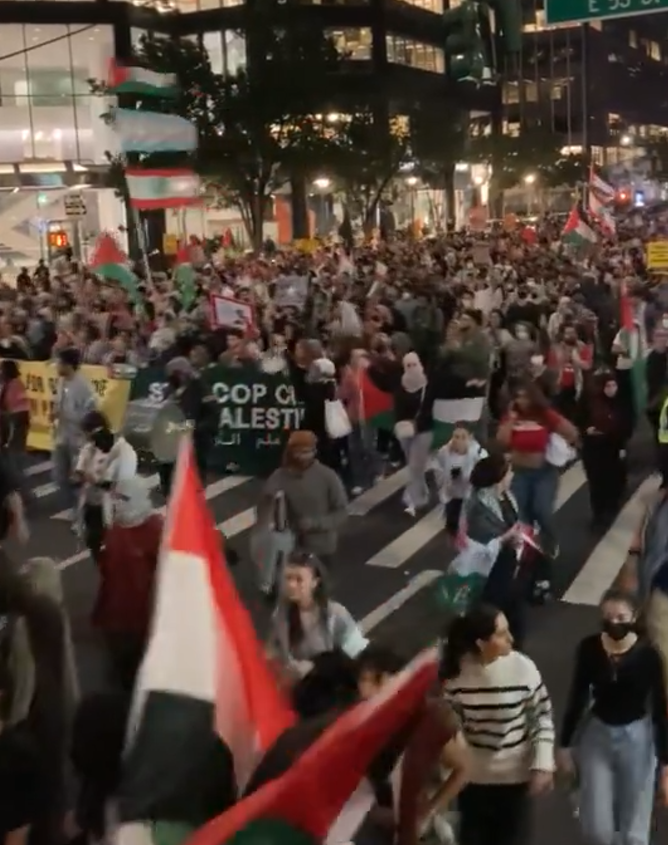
x,y
654,51
531,92
511,93
556,92
429,5
633,39
353,43
406,51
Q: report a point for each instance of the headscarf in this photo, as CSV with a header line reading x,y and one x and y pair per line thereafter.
x,y
414,377
132,502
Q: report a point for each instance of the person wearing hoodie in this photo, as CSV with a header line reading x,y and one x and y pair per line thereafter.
x,y
455,462
127,564
315,498
414,430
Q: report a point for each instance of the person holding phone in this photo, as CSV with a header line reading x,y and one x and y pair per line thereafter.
x,y
454,464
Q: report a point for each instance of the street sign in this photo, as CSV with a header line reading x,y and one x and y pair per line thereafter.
x,y
75,206
657,256
579,11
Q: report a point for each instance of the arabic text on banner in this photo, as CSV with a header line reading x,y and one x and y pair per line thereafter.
x,y
256,414
41,379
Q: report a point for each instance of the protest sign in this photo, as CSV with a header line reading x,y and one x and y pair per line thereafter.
x,y
291,292
256,414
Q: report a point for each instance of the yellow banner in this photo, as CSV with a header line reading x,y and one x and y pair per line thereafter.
x,y
41,378
657,256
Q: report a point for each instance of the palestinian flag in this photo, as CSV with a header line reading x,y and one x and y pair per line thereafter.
x,y
632,340
184,276
109,261
124,79
377,404
206,706
576,231
455,402
324,797
168,188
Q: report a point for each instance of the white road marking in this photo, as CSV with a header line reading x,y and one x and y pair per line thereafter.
x,y
398,599
214,489
605,562
396,553
377,494
38,469
66,515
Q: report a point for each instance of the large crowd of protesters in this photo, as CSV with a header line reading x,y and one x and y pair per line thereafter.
x,y
534,327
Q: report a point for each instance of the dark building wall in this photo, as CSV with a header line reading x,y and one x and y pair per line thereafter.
x,y
608,76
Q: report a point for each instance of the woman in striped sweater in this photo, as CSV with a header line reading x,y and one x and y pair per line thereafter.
x,y
507,721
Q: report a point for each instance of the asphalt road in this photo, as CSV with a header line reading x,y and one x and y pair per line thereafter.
x,y
385,568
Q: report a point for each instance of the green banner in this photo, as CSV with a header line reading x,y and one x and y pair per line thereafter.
x,y
257,413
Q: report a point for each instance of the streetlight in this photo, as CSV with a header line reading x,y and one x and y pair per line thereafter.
x,y
626,140
411,181
322,183
530,178
478,181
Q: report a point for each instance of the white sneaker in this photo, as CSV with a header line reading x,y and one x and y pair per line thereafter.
x,y
410,510
356,491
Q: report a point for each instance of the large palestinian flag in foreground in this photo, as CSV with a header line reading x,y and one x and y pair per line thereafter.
x,y
324,797
206,706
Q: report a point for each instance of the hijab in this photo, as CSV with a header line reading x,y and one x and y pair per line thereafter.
x,y
413,378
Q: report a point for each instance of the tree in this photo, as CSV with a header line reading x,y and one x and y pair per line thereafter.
x,y
535,151
259,126
368,153
438,143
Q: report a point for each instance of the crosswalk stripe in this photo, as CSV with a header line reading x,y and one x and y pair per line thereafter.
x,y
387,608
377,494
152,480
38,469
604,563
409,543
213,490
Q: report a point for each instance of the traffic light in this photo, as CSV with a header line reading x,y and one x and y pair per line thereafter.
x,y
58,240
470,37
467,56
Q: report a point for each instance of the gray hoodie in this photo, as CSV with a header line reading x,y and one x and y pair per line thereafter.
x,y
74,399
316,503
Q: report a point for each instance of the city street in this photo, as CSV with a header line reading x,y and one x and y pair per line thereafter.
x,y
386,566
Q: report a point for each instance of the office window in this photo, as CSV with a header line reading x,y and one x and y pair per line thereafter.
x,y
353,43
406,51
427,5
235,51
633,39
46,108
511,93
654,51
556,92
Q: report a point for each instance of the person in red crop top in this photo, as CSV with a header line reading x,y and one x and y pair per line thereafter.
x,y
525,432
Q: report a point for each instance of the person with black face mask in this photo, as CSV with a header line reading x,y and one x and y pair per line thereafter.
x,y
618,701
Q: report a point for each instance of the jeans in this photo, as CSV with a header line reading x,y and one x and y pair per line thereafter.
x,y
64,459
535,491
417,450
617,766
365,462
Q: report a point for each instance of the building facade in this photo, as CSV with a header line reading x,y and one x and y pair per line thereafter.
x,y
602,86
53,141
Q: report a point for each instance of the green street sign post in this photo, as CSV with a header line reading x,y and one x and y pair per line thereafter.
x,y
580,11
